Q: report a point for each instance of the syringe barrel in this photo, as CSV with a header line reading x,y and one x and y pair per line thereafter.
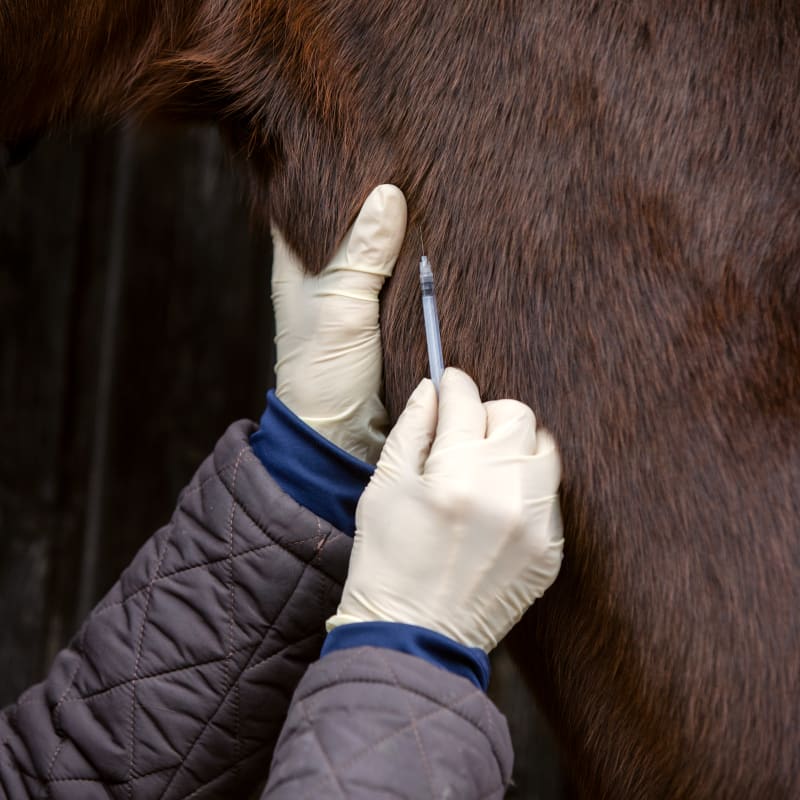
x,y
432,335
431,316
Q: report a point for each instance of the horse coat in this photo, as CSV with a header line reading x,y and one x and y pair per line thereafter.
x,y
610,193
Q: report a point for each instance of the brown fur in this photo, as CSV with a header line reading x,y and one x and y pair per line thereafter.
x,y
610,194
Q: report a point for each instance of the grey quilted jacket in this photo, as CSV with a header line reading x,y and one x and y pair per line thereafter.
x,y
179,682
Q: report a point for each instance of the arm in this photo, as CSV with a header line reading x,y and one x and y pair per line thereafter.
x,y
180,679
457,535
178,683
370,722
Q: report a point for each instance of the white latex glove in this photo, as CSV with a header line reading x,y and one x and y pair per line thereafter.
x,y
329,360
459,530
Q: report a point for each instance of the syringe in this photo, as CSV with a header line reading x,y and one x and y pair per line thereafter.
x,y
431,316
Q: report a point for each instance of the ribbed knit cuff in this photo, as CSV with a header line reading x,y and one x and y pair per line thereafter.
x,y
313,471
441,651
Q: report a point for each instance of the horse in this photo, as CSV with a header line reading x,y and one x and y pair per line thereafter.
x,y
610,195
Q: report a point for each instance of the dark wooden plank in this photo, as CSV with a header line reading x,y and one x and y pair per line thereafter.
x,y
194,331
70,583
39,221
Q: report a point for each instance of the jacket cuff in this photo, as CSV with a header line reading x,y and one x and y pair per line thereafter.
x,y
441,651
312,470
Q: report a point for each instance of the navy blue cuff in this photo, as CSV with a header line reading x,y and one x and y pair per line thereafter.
x,y
313,471
441,651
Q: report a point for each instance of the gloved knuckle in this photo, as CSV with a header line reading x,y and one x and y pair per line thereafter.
x,y
519,410
461,500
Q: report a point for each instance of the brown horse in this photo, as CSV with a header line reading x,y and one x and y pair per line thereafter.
x,y
610,192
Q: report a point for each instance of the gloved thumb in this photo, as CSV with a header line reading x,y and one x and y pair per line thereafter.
x,y
511,427
409,442
370,246
368,253
377,234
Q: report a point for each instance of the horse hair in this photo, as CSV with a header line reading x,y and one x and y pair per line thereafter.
x,y
610,195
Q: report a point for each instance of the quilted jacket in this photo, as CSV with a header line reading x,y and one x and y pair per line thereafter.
x,y
179,682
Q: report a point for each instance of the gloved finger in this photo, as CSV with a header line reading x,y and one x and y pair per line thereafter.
x,y
543,468
377,234
462,417
369,250
511,426
409,442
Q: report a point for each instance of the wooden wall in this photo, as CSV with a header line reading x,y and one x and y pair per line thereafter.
x,y
135,325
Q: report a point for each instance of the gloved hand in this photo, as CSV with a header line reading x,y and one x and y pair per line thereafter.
x,y
459,530
329,360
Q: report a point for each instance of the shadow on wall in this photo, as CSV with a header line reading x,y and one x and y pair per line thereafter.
x,y
135,325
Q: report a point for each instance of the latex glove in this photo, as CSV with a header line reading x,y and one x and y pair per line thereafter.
x,y
329,360
459,530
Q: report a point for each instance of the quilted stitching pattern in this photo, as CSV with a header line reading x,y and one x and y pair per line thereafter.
x,y
179,681
372,723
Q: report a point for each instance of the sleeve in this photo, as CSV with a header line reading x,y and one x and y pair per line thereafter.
x,y
368,722
441,651
178,683
319,475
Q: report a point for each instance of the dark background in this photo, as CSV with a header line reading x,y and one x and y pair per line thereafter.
x,y
135,325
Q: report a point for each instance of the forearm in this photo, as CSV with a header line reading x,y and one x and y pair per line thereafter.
x,y
181,678
370,722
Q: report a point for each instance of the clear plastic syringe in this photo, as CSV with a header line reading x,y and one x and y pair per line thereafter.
x,y
431,316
